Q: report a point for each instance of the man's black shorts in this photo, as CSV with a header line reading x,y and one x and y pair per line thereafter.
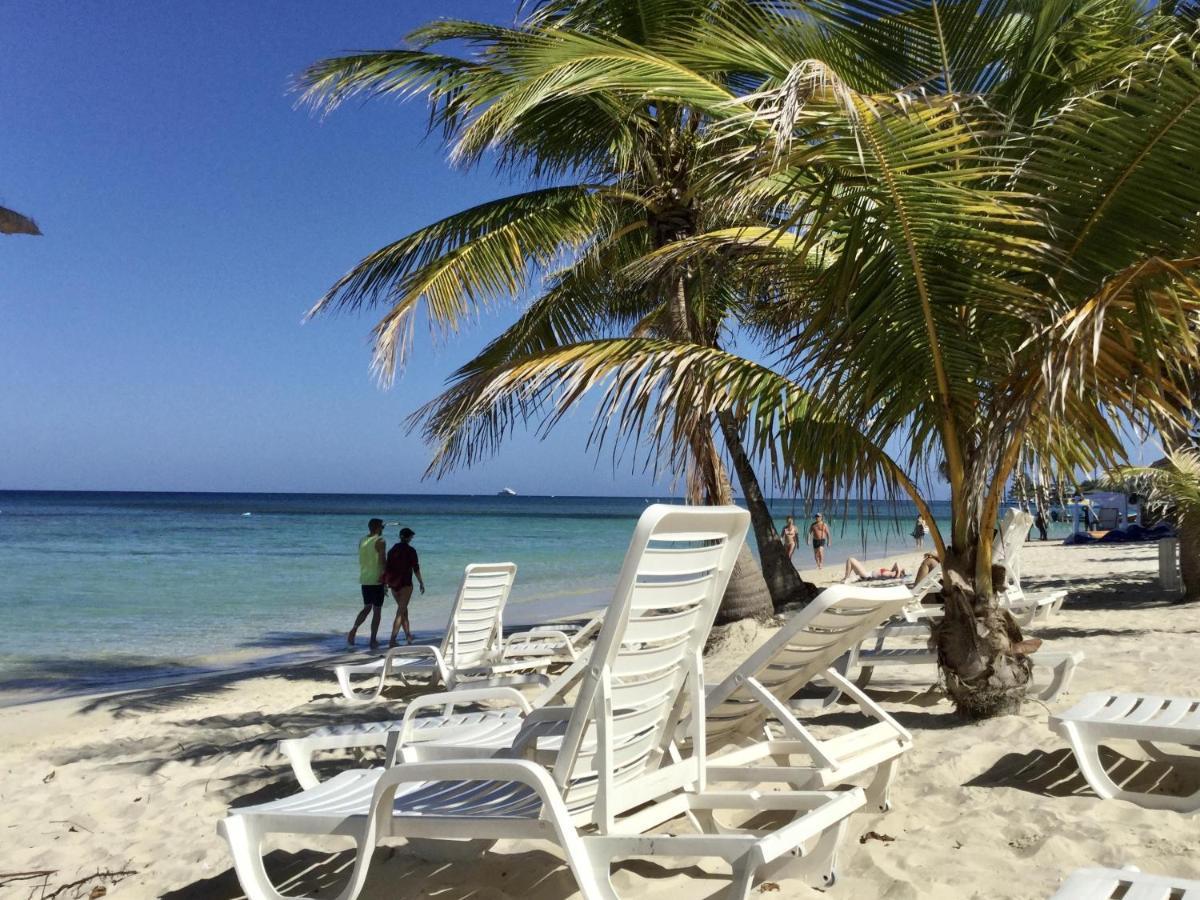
x,y
373,594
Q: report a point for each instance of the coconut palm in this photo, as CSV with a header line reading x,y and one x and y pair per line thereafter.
x,y
998,259
14,223
1174,482
622,168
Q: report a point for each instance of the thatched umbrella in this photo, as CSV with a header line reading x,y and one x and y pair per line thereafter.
x,y
15,223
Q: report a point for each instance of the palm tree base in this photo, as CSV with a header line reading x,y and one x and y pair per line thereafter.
x,y
978,644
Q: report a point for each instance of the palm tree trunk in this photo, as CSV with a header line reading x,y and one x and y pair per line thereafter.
x,y
1189,559
746,596
982,655
782,580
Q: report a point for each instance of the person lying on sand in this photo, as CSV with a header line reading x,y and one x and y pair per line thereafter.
x,y
855,568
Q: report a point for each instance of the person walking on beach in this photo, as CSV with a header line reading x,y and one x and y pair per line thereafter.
x,y
398,572
790,537
1040,524
918,532
370,575
818,531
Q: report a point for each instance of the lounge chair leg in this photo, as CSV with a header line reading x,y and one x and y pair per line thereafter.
x,y
1087,754
743,874
817,865
879,791
590,863
301,759
1060,676
245,846
864,676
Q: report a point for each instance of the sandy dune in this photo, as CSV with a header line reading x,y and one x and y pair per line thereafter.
x,y
136,782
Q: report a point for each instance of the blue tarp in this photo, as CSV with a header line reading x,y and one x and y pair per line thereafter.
x,y
1130,534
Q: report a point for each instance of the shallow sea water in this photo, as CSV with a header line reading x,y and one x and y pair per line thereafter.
x,y
102,589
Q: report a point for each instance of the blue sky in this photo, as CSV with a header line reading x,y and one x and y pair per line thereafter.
x,y
152,340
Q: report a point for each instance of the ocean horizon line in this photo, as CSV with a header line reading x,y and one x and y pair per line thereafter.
x,y
772,499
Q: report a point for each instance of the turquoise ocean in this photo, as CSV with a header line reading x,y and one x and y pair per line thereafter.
x,y
107,590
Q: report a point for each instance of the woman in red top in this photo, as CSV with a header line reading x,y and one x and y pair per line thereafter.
x,y
398,572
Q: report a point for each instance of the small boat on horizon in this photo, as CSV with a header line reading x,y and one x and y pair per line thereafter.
x,y
507,492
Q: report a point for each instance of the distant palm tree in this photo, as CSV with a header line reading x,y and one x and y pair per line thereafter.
x,y
15,223
1175,482
1000,258
623,172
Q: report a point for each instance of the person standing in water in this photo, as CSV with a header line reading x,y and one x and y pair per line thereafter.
x,y
818,531
402,564
790,537
370,576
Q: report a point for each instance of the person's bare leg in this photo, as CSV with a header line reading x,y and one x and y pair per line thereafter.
x,y
854,567
358,621
376,615
402,596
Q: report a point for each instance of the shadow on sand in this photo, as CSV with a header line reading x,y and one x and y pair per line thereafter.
x,y
1056,774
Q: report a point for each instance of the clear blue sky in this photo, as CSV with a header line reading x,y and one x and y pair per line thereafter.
x,y
152,339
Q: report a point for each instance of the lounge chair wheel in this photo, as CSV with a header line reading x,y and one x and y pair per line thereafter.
x,y
829,880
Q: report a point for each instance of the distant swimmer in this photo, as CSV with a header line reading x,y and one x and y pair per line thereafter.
x,y
818,531
856,571
402,564
790,537
371,560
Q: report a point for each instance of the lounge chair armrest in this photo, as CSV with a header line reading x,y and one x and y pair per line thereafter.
x,y
549,635
530,732
519,771
396,655
402,737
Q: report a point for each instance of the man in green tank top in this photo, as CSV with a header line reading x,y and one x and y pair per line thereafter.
x,y
371,557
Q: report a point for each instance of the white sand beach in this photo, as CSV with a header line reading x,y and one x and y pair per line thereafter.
x,y
133,784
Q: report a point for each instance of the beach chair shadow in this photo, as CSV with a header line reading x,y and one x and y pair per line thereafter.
x,y
401,875
1056,773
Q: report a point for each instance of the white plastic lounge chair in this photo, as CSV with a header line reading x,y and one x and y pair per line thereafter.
x,y
1026,608
803,650
1147,719
1053,669
563,642
1128,884
1058,666
597,779
757,697
471,650
495,727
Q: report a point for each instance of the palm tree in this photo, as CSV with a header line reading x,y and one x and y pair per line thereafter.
x,y
15,223
1175,482
999,259
622,169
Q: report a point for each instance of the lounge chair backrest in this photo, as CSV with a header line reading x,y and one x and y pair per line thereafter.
x,y
476,624
1014,528
838,619
645,665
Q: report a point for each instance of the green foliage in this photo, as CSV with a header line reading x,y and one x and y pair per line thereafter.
x,y
965,229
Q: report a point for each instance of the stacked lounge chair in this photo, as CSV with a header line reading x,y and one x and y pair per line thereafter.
x,y
473,650
1147,719
1125,884
601,778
